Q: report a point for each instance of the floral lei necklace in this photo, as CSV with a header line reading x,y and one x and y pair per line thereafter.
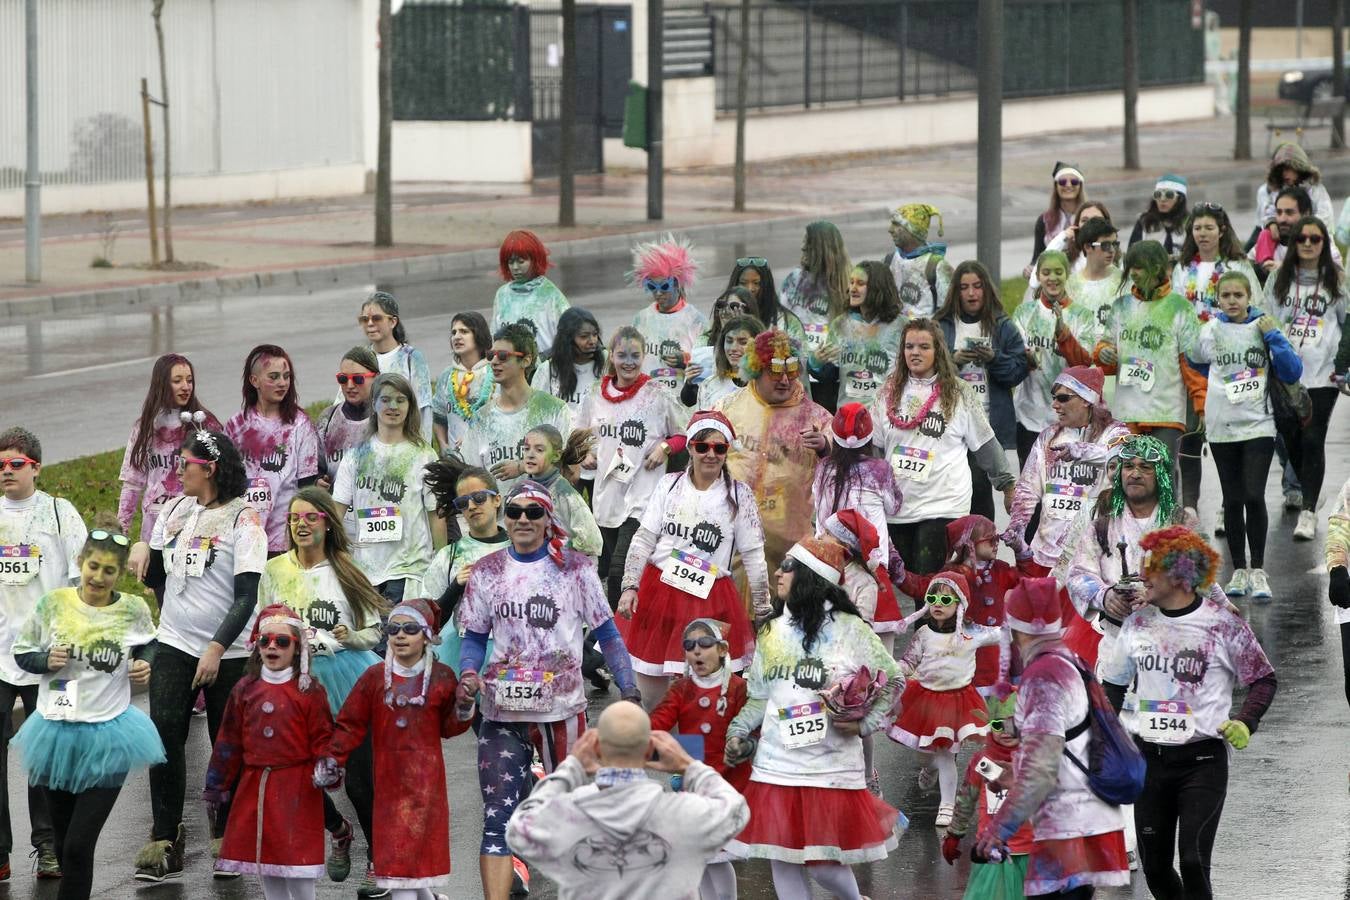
x,y
1193,290
461,382
909,423
621,394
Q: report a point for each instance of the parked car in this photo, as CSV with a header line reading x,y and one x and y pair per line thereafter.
x,y
1307,85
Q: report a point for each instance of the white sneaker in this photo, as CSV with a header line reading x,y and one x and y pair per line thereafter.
x,y
1260,584
944,817
1238,585
1306,529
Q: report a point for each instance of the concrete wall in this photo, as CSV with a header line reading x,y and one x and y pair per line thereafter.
x,y
462,151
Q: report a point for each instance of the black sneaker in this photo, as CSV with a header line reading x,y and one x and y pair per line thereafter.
x,y
4,867
159,860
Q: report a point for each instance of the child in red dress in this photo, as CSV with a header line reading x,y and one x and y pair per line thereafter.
x,y
275,727
407,705
703,702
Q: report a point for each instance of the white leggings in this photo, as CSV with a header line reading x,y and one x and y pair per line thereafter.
x,y
277,888
719,882
413,894
945,761
792,881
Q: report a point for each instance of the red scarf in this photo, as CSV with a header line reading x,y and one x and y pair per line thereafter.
x,y
622,394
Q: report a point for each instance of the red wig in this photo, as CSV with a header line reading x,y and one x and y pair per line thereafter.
x,y
525,244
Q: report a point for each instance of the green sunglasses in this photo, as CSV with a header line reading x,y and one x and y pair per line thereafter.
x,y
941,600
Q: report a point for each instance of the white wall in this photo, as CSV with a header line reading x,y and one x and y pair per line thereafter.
x,y
462,151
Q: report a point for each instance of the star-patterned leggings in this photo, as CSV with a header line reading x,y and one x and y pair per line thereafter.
x,y
505,756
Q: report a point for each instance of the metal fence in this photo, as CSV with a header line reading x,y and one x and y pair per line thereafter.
x,y
464,62
808,52
256,85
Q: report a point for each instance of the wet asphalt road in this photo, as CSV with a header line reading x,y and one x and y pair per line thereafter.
x,y
79,382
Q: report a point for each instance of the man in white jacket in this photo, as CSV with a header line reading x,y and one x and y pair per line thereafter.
x,y
602,829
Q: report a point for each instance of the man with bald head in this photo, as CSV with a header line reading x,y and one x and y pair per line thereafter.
x,y
602,828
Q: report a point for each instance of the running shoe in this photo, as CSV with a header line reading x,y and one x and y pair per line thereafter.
x,y
159,860
928,779
520,878
599,681
1306,529
1260,584
369,888
1239,585
340,852
944,816
45,863
4,867
1293,501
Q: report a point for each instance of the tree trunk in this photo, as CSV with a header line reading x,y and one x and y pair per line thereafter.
x,y
168,142
742,89
384,199
567,113
1242,141
1338,69
1130,40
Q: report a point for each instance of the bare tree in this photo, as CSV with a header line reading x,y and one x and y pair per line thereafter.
x,y
384,198
1338,70
1242,140
567,112
742,89
156,13
1129,30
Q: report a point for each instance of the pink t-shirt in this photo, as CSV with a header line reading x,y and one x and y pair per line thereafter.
x,y
277,456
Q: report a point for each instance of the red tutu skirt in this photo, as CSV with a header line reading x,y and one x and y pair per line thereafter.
x,y
806,824
655,634
935,720
1068,863
888,614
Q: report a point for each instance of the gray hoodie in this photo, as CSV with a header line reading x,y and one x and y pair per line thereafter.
x,y
627,841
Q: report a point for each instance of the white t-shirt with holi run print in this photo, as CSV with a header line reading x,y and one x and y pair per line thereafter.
x,y
496,436
625,433
702,523
382,485
277,457
669,334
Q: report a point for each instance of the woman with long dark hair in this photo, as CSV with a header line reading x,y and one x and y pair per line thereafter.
x,y
807,759
343,425
1165,219
753,274
1308,297
276,439
149,473
817,291
577,362
464,386
383,326
206,557
734,338
319,580
1068,191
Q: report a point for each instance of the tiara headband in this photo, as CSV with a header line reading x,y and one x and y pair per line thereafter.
x,y
201,435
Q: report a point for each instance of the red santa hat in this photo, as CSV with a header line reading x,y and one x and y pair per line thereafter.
x,y
852,426
852,529
281,614
424,614
1085,381
711,420
826,558
1032,607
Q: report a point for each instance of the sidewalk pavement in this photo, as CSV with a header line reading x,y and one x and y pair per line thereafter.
x,y
447,229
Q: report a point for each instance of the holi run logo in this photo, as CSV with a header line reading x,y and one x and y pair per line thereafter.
x,y
869,359
1189,666
910,293
633,433
809,673
541,611
274,461
1151,337
390,490
706,536
933,424
529,323
103,655
323,614
670,348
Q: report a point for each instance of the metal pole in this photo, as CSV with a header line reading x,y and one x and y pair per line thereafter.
x,y
655,155
989,174
32,187
1298,29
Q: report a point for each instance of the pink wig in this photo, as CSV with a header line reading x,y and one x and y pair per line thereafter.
x,y
670,258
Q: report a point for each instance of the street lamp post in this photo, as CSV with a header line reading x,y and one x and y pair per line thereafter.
x,y
32,186
989,174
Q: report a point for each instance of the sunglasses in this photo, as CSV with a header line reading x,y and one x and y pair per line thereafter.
x,y
996,725
1164,195
1209,207
789,564
1148,455
730,304
1068,182
717,447
1061,398
17,463
533,512
99,534
309,518
1309,239
1106,245
752,261
370,320
706,642
790,366
358,380
940,600
477,498
394,628
652,286
280,641
503,355
184,460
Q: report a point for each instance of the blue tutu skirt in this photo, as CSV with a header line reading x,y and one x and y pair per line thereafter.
x,y
77,756
338,673
447,651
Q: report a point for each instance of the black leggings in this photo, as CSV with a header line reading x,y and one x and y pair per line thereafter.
x,y
1243,468
39,816
1190,461
613,555
171,699
359,784
981,491
1345,657
77,820
922,545
1183,798
1307,445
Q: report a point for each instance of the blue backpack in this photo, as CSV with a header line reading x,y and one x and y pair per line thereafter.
x,y
1115,769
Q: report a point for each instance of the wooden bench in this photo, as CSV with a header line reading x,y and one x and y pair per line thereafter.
x,y
1316,114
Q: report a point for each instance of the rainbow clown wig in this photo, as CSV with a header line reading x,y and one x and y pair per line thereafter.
x,y
769,346
1180,554
525,245
660,260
